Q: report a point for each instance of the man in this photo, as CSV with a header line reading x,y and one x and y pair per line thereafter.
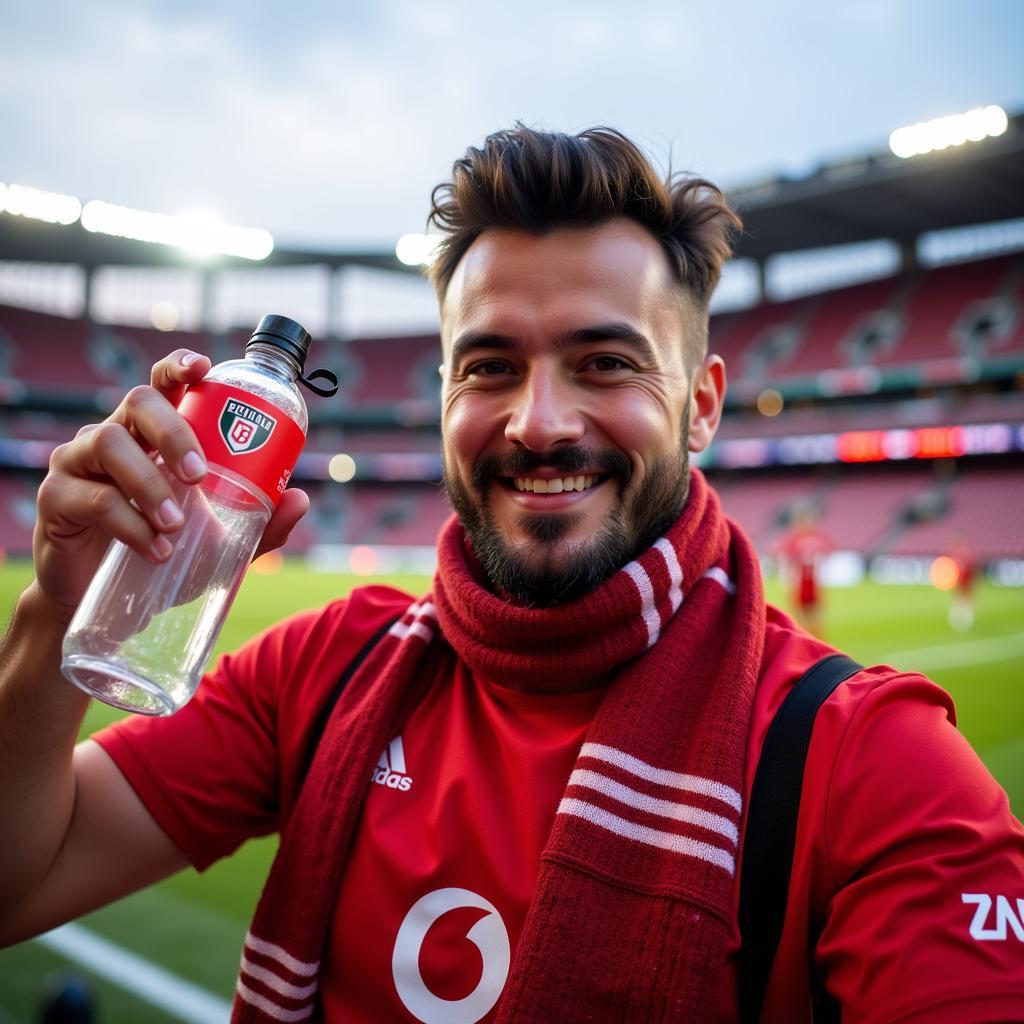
x,y
528,802
801,552
964,558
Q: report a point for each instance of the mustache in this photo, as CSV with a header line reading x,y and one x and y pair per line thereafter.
x,y
568,461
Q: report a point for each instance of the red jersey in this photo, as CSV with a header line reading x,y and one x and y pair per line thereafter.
x,y
966,559
908,866
803,549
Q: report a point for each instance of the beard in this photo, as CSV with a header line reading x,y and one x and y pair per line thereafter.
x,y
545,573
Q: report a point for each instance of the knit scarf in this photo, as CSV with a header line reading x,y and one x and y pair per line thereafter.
x,y
630,913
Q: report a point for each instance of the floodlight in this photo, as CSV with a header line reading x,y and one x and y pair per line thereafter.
x,y
943,132
37,204
197,235
417,250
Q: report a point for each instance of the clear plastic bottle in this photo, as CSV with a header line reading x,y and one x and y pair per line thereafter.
x,y
143,633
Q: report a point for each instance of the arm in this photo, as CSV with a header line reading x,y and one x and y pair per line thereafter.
x,y
914,824
83,838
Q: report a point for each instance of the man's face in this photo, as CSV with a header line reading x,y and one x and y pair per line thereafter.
x,y
565,404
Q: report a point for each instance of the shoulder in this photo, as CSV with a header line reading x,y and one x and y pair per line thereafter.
x,y
901,826
282,679
301,657
343,624
791,651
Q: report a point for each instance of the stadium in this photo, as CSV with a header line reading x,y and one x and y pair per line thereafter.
x,y
872,324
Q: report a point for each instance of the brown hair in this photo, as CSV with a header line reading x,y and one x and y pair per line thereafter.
x,y
540,181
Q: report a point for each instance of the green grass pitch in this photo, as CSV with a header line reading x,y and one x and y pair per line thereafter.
x,y
194,925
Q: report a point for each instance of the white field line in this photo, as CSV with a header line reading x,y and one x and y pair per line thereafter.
x,y
966,652
154,985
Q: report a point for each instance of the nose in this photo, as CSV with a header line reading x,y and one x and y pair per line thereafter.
x,y
544,413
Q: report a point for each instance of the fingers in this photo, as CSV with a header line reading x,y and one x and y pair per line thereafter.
x,y
106,479
105,483
67,503
148,416
293,506
175,372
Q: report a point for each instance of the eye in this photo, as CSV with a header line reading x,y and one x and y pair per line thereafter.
x,y
489,368
608,364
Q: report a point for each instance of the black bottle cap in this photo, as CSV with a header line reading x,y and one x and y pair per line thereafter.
x,y
291,337
285,333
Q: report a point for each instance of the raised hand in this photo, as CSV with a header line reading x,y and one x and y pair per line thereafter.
x,y
105,484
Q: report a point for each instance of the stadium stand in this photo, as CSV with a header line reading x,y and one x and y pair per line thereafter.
x,y
384,514
983,505
937,316
49,353
947,313
394,369
860,511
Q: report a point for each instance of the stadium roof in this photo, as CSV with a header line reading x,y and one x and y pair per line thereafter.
x,y
884,196
871,197
32,241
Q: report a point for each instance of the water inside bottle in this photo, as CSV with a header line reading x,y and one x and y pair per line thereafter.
x,y
143,633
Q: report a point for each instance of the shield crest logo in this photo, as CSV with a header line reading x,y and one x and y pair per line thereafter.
x,y
244,428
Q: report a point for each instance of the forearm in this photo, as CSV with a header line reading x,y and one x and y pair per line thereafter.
x,y
40,714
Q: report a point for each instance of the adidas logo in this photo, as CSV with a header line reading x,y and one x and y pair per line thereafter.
x,y
390,768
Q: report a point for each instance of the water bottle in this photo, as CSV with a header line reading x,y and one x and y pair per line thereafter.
x,y
142,635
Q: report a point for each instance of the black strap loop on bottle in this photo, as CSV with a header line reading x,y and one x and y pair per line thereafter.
x,y
771,831
317,389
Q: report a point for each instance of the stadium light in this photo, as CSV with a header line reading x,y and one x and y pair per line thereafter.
x,y
944,132
37,204
417,250
198,235
164,315
341,468
770,402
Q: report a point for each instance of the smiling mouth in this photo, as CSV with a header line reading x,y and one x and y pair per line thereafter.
x,y
556,485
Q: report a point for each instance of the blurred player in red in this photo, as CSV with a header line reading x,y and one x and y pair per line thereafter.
x,y
802,551
961,608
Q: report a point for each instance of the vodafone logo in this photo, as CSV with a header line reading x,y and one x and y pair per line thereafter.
x,y
488,935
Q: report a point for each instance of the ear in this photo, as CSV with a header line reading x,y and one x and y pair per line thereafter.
x,y
706,400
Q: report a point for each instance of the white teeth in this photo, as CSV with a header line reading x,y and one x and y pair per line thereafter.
x,y
556,486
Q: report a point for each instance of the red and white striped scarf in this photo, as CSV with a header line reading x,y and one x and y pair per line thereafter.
x,y
630,913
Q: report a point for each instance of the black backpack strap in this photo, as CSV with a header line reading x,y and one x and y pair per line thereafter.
x,y
771,827
324,715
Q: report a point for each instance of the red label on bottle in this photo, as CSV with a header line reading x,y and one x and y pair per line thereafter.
x,y
244,433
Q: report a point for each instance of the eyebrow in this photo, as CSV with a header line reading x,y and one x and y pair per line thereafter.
x,y
469,341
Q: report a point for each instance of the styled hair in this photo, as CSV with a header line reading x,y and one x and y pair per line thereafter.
x,y
541,181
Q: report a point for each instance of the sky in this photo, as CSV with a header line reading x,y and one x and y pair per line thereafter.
x,y
329,123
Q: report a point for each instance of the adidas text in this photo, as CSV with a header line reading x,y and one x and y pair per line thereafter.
x,y
384,777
